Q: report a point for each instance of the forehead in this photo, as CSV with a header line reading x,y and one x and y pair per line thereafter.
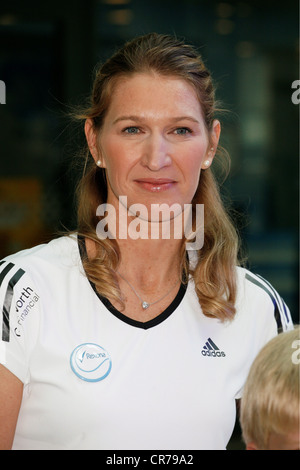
x,y
148,93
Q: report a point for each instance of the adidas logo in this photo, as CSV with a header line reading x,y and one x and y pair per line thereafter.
x,y
210,349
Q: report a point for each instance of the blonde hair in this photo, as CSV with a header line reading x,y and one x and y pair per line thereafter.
x,y
271,402
215,271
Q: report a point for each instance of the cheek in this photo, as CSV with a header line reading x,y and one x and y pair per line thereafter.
x,y
193,162
116,155
192,168
109,150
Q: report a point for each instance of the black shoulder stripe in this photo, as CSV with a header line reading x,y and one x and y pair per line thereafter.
x,y
271,295
7,303
275,293
5,271
280,301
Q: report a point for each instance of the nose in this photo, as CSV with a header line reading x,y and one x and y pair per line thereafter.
x,y
156,152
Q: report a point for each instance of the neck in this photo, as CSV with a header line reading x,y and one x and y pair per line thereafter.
x,y
152,268
148,248
150,261
149,276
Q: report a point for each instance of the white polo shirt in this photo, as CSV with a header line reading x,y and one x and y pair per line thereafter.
x,y
95,379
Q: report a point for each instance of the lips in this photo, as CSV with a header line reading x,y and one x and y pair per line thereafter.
x,y
156,184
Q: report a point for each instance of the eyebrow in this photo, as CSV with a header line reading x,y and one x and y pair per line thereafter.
x,y
140,119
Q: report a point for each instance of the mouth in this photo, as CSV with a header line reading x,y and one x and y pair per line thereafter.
x,y
156,184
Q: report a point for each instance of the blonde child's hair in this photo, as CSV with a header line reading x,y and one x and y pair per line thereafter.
x,y
270,402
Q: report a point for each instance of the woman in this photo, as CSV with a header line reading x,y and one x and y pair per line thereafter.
x,y
116,341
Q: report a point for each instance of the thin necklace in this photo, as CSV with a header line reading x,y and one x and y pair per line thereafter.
x,y
144,303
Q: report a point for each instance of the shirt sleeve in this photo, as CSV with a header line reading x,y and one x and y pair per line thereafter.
x,y
19,305
268,315
280,311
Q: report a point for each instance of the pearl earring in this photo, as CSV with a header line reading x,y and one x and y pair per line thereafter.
x,y
98,163
207,163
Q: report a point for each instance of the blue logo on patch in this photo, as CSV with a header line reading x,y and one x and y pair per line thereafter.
x,y
90,362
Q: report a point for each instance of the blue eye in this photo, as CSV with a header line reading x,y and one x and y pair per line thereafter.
x,y
183,131
131,130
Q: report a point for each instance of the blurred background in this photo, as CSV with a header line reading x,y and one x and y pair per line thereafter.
x,y
48,51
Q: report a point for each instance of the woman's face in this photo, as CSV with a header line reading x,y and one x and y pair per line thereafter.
x,y
153,142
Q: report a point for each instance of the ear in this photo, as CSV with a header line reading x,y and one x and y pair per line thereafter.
x,y
91,138
251,446
215,134
213,144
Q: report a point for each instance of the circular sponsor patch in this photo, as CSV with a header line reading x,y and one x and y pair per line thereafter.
x,y
90,362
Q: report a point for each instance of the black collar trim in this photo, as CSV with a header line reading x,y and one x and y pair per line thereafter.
x,y
144,325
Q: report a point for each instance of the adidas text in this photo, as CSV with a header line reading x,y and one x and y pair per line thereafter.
x,y
213,353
